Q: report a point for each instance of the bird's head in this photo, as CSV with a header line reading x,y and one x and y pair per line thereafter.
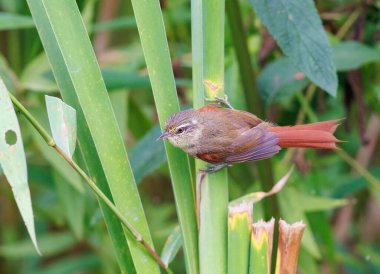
x,y
183,129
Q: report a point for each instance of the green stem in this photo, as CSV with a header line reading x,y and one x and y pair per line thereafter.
x,y
50,141
360,169
208,71
306,106
247,74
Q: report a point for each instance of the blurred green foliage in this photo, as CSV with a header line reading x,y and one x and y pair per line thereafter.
x,y
70,229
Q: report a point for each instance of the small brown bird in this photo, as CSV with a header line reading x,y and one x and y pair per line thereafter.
x,y
223,136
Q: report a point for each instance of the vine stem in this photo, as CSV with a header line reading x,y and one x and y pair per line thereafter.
x,y
50,141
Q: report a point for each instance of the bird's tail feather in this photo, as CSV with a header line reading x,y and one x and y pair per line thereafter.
x,y
316,135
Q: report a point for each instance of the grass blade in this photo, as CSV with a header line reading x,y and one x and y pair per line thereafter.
x,y
78,76
152,34
9,21
13,162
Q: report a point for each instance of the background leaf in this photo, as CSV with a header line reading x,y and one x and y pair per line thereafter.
x,y
51,244
10,21
352,55
148,154
298,30
279,80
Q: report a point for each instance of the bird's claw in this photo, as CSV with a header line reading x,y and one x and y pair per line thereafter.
x,y
213,168
221,101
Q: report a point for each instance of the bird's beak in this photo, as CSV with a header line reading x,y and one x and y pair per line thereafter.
x,y
164,135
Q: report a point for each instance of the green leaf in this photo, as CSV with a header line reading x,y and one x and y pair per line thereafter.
x,y
292,211
172,246
280,80
298,30
116,79
73,204
306,263
9,21
13,162
56,161
37,75
311,203
147,155
63,124
127,22
352,55
119,101
294,205
78,76
69,265
151,28
51,244
7,75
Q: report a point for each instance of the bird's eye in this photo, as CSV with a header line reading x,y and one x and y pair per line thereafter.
x,y
180,130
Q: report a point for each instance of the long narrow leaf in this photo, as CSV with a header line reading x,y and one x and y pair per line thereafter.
x,y
12,160
152,34
78,76
9,21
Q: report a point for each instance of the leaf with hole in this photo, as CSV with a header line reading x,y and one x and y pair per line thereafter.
x,y
13,162
63,124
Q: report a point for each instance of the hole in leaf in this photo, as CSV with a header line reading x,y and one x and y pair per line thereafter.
x,y
10,137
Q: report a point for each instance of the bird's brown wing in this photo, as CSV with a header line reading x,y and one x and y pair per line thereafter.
x,y
240,118
235,136
252,145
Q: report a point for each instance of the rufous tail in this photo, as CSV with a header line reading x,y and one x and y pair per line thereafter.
x,y
316,135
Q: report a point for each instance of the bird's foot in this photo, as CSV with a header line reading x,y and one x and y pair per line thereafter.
x,y
213,168
222,101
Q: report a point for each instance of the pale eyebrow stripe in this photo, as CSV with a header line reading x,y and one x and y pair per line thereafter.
x,y
184,125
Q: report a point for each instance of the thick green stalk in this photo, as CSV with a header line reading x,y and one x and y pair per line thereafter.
x,y
208,71
156,51
239,233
